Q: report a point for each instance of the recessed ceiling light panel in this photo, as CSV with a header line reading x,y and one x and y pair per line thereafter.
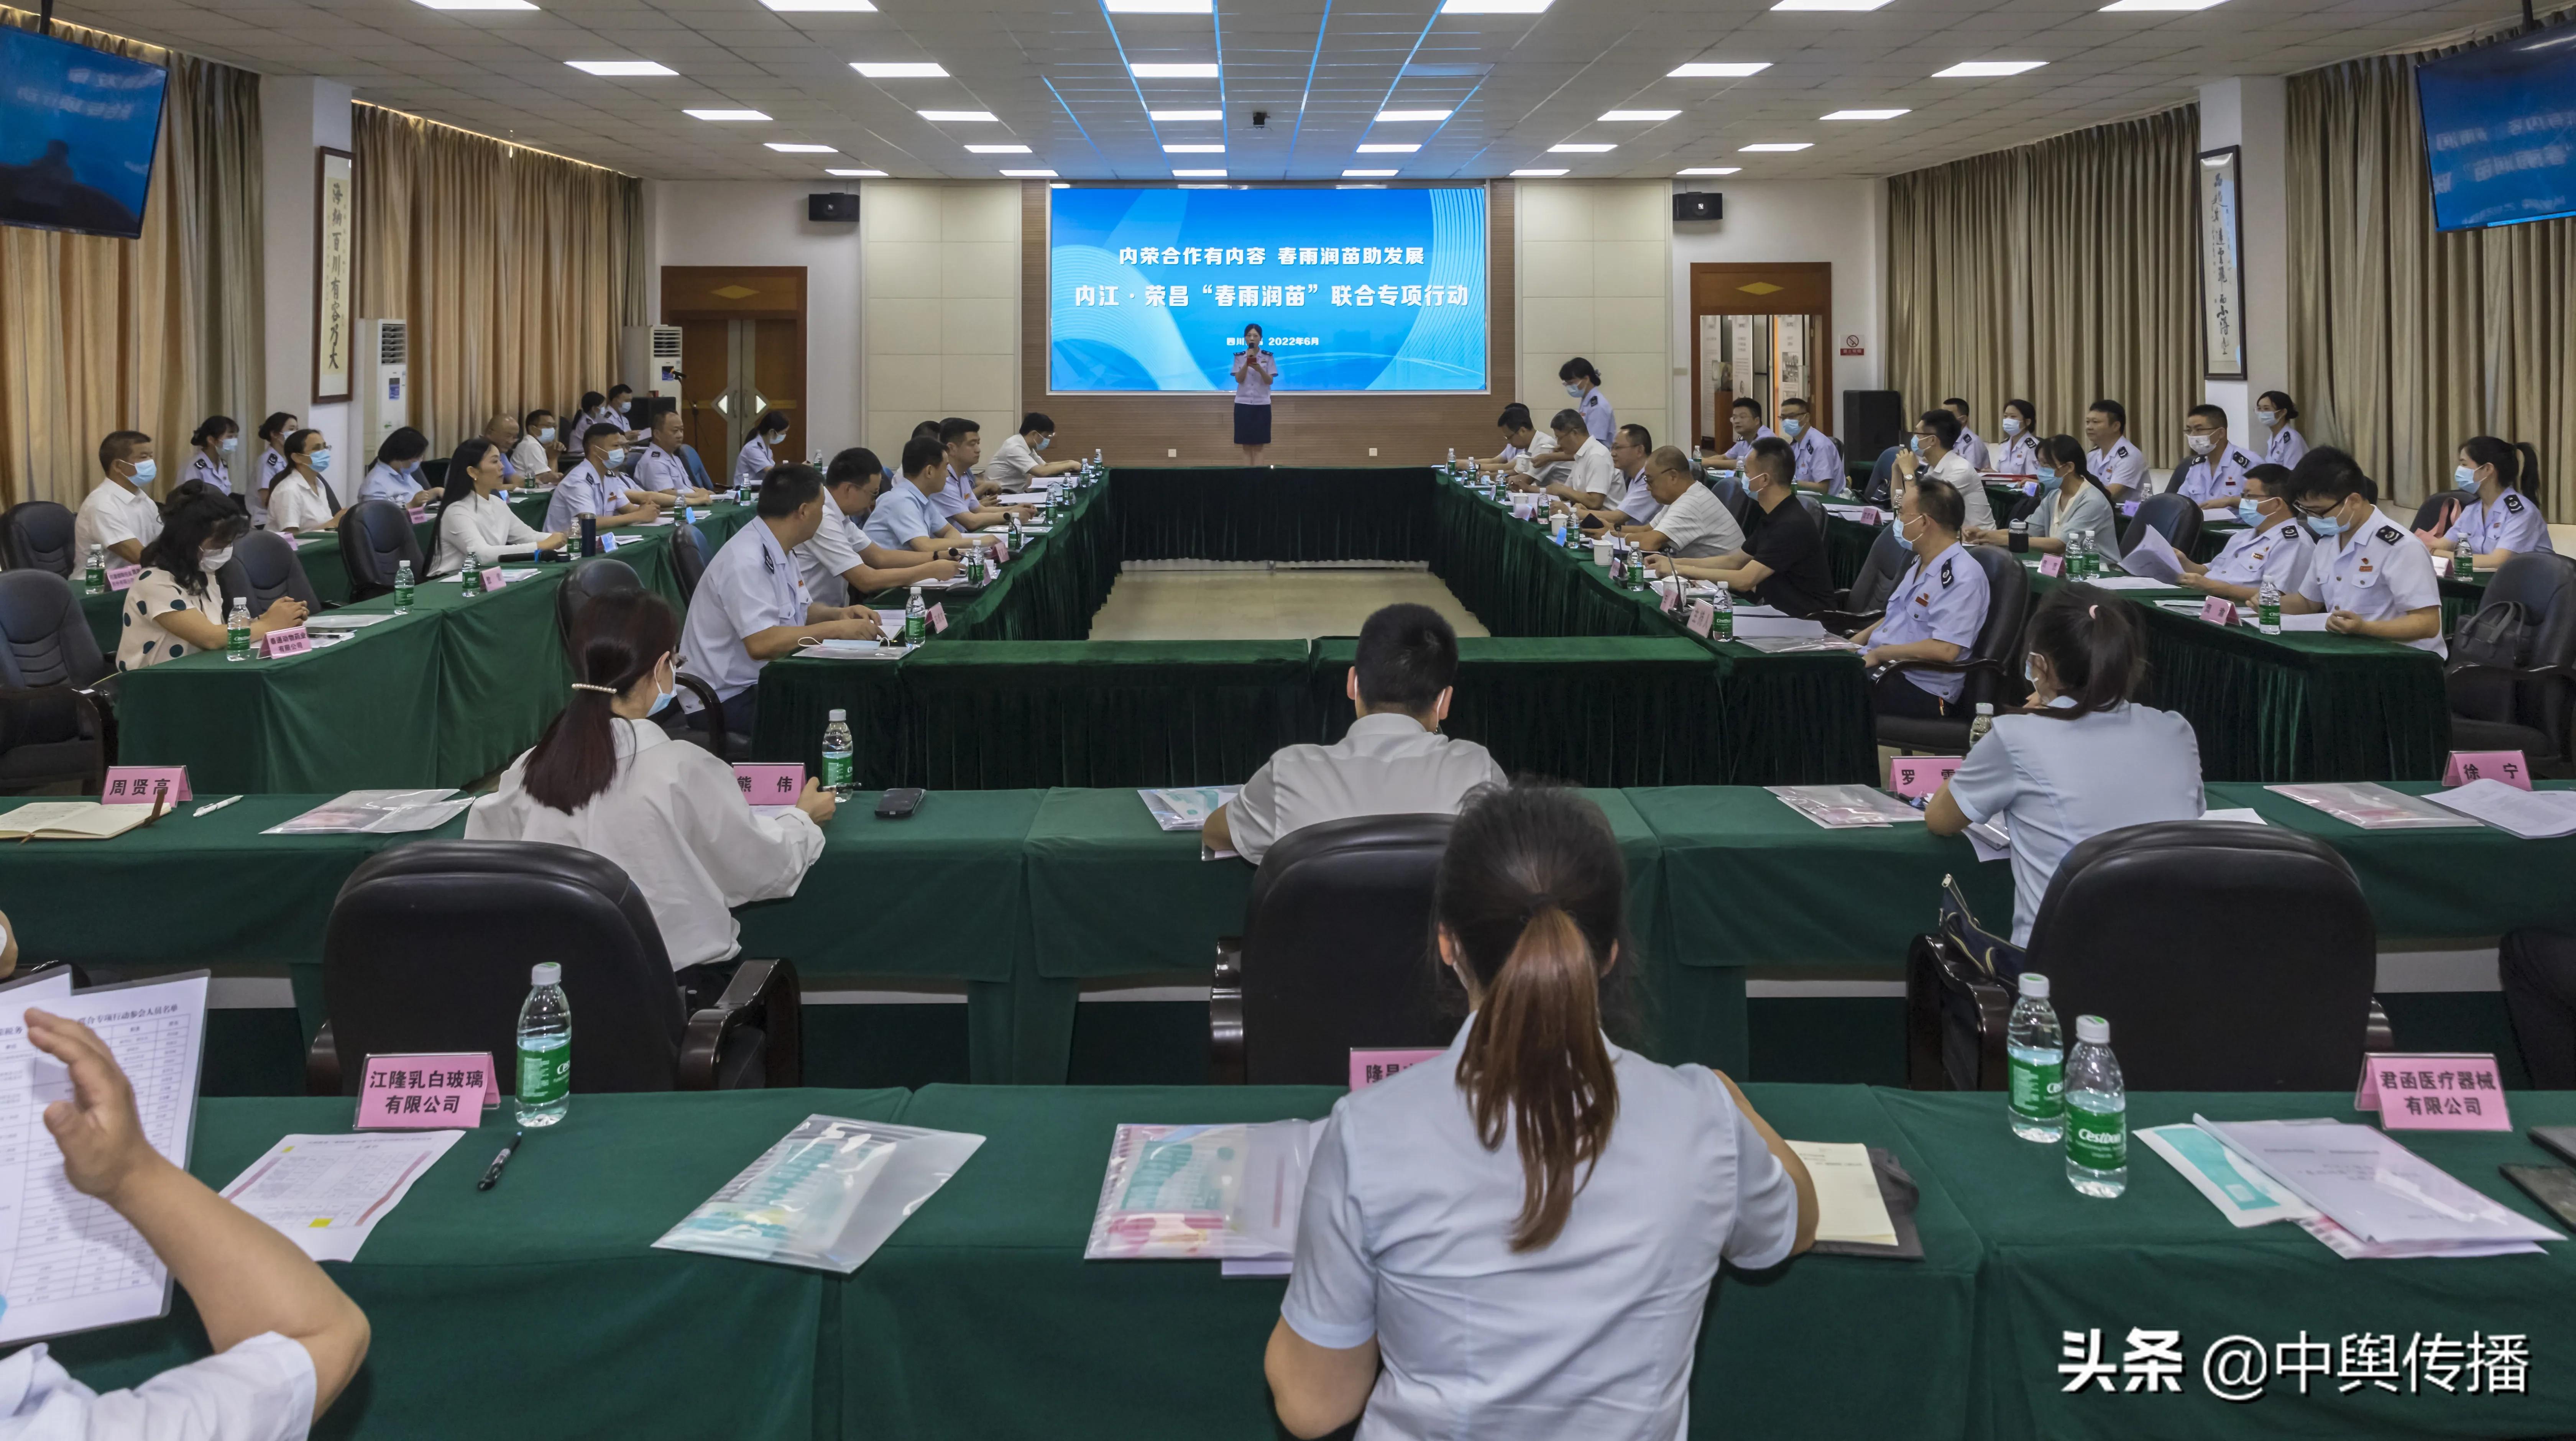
x,y
899,69
846,7
1198,175
2160,4
1777,147
957,117
1156,70
1536,173
1029,174
1494,7
1366,174
477,4
1867,114
1386,148
1158,7
997,150
1388,116
857,174
1571,149
621,67
1710,170
1829,4
789,147
1628,115
724,114
1719,69
1194,150
1979,69
1168,116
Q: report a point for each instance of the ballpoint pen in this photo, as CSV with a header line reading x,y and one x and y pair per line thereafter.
x,y
492,1173
212,806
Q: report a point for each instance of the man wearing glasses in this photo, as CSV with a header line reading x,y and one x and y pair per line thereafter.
x,y
2368,576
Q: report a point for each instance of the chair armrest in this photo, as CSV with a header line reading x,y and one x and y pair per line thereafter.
x,y
322,1064
763,993
1953,667
1225,1014
710,710
1846,623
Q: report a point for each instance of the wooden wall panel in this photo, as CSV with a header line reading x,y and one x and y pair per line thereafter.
x,y
1305,429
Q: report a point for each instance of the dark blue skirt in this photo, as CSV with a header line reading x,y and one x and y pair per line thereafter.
x,y
1251,424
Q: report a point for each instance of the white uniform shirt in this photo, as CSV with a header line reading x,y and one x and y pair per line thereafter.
x,y
1971,448
2122,465
2019,456
527,458
1543,462
831,554
2063,782
2512,521
1387,766
1592,472
2217,476
484,525
659,469
299,502
383,482
1820,461
2277,553
750,586
1742,448
155,593
1011,464
1405,1235
676,822
209,472
260,1390
1945,600
110,513
583,491
1698,525
1971,486
2381,574
2288,447
750,463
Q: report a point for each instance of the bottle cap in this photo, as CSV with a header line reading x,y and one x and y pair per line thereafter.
x,y
839,715
545,973
2034,986
2093,1030
1985,707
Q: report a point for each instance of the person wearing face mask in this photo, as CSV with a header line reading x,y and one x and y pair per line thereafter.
x,y
2019,454
2074,502
533,459
660,473
838,560
1931,452
1583,383
2216,471
1971,447
2273,545
605,778
2369,577
395,476
2274,412
1936,610
2082,758
1781,561
476,521
301,500
1020,459
760,452
594,488
119,515
1819,459
272,462
2121,466
1636,503
216,441
752,606
2502,519
621,411
174,607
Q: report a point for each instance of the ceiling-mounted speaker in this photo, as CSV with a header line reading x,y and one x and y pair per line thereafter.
x,y
832,205
1699,205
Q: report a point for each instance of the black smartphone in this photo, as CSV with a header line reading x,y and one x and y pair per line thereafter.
x,y
900,802
2554,1187
2558,1139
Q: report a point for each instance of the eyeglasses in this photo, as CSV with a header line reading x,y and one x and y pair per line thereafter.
x,y
2302,508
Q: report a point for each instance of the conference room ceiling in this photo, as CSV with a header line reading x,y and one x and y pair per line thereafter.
x,y
1055,75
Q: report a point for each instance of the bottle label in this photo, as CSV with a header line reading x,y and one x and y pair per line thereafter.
x,y
545,1076
2039,1087
836,771
2097,1140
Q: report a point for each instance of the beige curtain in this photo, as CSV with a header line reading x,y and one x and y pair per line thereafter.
x,y
2405,341
153,334
2058,273
515,268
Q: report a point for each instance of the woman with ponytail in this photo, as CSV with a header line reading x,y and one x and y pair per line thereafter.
x,y
2082,758
2503,519
1525,1229
605,778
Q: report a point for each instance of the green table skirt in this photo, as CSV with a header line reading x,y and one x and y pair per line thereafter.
x,y
1230,513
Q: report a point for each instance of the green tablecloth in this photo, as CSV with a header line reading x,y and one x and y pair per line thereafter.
x,y
1302,513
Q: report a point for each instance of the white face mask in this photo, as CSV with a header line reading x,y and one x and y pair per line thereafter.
x,y
2012,425
2269,418
1574,390
545,435
215,559
229,444
2200,444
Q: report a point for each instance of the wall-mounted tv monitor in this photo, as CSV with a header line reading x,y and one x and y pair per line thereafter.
x,y
1355,290
2500,131
77,130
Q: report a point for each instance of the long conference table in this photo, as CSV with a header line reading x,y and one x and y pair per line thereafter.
x,y
1023,896
540,1307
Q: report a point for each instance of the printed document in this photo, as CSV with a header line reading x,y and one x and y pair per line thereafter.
x,y
326,1193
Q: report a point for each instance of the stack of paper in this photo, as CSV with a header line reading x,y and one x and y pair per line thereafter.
x,y
2373,1198
2374,807
326,1193
347,620
1186,808
377,813
850,650
2532,815
1841,807
1848,1204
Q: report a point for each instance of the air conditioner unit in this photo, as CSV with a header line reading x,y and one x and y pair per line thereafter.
x,y
383,381
649,357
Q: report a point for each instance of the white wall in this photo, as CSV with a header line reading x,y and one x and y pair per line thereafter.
x,y
1842,222
941,326
1594,273
297,114
2253,112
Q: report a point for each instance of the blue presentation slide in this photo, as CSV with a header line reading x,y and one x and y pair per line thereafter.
x,y
77,128
1353,289
2500,132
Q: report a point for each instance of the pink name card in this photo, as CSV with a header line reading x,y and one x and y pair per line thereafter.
x,y
1911,776
2052,565
770,785
419,513
493,579
1002,551
2128,507
939,618
1668,598
121,576
1702,616
426,1092
2506,766
293,640
2218,610
1869,515
1370,1067
2433,1091
143,785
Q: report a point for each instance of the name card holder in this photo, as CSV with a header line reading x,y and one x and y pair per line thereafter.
x,y
2052,565
1702,616
769,785
2218,610
1368,1067
2506,766
293,640
2433,1091
939,618
432,1091
419,514
121,576
143,785
1911,776
493,579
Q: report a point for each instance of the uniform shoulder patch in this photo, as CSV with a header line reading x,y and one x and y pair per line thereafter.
x,y
2391,534
1945,572
2120,451
2513,502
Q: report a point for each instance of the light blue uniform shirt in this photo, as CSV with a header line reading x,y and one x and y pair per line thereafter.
x,y
383,482
751,463
957,496
209,472
1598,417
2511,522
2019,456
751,585
1942,600
582,492
1405,1235
2063,782
2217,476
1820,461
2277,553
1743,448
903,515
2288,447
1971,448
1637,501
659,469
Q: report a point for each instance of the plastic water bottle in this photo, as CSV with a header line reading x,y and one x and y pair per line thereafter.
x,y
470,579
916,619
402,586
2267,609
1015,530
2036,1047
2464,566
545,1048
1453,460
1723,628
237,630
2076,540
838,754
94,574
1977,729
2097,1114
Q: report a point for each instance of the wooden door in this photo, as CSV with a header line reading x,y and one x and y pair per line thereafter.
x,y
1788,287
718,308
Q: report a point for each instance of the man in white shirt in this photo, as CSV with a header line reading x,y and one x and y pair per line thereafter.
x,y
752,606
1591,480
1393,762
660,472
2367,575
1518,433
1014,463
1634,502
840,561
2215,474
1690,523
2274,545
119,515
286,1340
1971,448
1933,452
532,459
2119,465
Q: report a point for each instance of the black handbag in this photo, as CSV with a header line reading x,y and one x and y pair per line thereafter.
x,y
1988,952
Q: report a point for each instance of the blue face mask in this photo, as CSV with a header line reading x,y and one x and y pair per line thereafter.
x,y
2326,526
1914,443
144,471
1045,440
616,458
1792,427
1574,390
2012,425
2249,512
321,461
661,699
2465,477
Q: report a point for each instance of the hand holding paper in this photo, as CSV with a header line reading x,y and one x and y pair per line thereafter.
x,y
2153,557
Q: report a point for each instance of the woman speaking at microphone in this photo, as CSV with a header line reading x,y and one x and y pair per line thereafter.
x,y
1254,369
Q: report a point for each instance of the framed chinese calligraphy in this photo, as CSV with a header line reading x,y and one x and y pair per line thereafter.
x,y
2222,265
335,269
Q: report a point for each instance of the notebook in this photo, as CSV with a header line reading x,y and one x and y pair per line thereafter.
x,y
71,821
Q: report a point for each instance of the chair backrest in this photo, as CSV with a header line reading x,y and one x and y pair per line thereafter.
x,y
1337,948
1730,493
1813,505
375,536
44,638
688,560
1880,486
1880,570
265,567
429,945
2430,516
589,580
2526,621
37,535
2007,614
2175,517
2226,956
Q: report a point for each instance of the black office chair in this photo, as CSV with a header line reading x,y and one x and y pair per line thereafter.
x,y
1881,486
375,536
1335,954
2438,511
586,581
2513,664
57,691
1992,666
2175,517
1730,492
688,560
37,535
429,946
265,569
1866,601
1815,508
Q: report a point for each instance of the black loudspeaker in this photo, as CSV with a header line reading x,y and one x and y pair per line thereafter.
x,y
1699,205
832,205
1872,420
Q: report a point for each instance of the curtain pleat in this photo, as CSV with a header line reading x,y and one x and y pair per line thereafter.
x,y
155,333
2059,272
516,269
2405,341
